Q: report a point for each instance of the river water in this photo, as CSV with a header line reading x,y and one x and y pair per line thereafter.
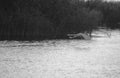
x,y
95,58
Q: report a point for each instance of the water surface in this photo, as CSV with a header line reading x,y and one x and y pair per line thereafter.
x,y
96,58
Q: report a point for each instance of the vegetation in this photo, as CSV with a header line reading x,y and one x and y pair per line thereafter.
x,y
51,19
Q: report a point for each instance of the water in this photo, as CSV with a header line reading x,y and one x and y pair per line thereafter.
x,y
96,58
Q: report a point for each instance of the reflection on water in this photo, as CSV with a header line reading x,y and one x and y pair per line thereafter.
x,y
96,58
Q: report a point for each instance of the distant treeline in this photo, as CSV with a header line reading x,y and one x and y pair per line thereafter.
x,y
50,19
